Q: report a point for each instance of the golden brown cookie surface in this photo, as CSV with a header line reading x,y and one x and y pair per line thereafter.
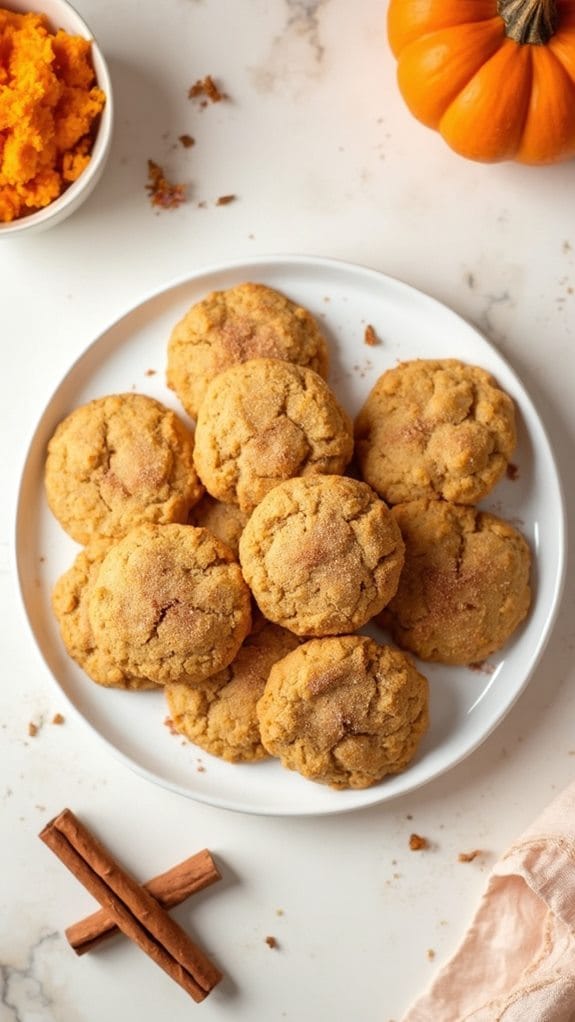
x,y
321,554
344,711
225,521
465,584
435,428
119,461
264,421
227,327
170,604
219,714
70,599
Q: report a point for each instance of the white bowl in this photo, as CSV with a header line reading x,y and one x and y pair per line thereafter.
x,y
62,15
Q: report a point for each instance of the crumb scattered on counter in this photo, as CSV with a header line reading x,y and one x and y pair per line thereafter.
x,y
279,912
206,89
187,141
417,843
224,200
512,472
468,856
430,954
170,725
32,729
370,336
150,372
271,942
162,192
58,718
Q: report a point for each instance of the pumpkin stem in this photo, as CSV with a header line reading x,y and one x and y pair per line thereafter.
x,y
529,21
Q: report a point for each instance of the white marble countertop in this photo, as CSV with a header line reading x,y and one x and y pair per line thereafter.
x,y
324,159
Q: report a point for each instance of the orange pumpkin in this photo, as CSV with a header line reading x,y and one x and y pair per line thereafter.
x,y
495,77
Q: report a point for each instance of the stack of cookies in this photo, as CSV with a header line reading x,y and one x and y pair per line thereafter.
x,y
235,567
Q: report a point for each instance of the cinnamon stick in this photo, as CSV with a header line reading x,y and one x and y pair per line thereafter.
x,y
169,889
134,910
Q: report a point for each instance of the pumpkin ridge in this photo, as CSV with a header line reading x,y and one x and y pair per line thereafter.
x,y
435,68
408,20
488,110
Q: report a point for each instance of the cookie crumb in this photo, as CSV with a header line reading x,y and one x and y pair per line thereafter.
x,y
32,729
271,942
370,336
150,372
224,200
170,725
187,141
58,718
468,856
161,191
200,769
206,87
430,954
512,471
417,843
482,667
279,912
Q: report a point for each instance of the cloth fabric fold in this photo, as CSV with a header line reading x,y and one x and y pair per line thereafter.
x,y
517,960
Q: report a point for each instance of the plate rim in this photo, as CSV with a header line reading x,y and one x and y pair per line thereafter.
x,y
267,261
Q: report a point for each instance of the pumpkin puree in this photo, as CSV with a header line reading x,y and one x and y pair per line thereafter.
x,y
48,104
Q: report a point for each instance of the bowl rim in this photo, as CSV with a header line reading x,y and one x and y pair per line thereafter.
x,y
82,186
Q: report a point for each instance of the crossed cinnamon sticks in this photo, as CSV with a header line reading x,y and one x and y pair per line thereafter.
x,y
138,911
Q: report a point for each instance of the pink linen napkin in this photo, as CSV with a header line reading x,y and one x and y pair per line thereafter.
x,y
517,959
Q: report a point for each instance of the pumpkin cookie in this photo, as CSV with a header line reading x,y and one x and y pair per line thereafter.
x,y
435,428
344,711
119,461
321,555
219,714
224,521
264,421
70,598
227,327
170,603
465,585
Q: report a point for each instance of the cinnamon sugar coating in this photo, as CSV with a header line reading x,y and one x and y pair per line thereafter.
x,y
227,327
464,588
344,711
70,598
321,554
119,461
435,428
264,421
219,714
170,604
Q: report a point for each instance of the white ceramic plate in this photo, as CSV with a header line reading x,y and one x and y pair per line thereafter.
x,y
465,705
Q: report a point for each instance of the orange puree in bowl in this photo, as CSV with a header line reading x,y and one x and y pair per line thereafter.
x,y
48,105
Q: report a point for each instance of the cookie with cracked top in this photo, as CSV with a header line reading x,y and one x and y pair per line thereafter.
x,y
170,604
464,588
264,421
435,428
243,322
116,462
321,554
344,711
